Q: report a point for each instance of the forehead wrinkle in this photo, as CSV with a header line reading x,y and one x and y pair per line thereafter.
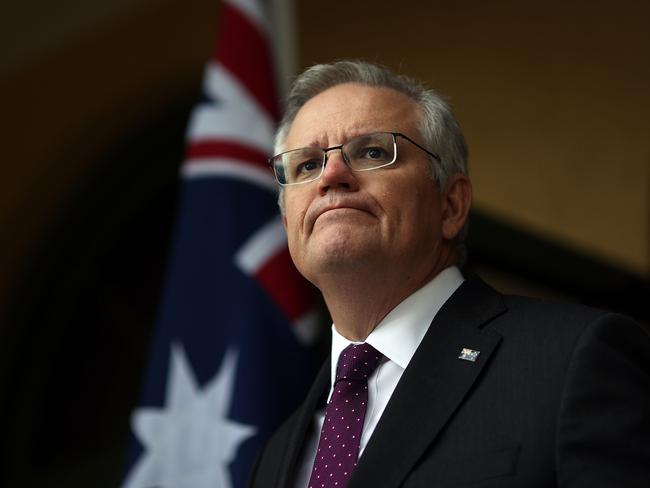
x,y
329,133
331,137
336,115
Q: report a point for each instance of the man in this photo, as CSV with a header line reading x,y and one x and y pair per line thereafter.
x,y
434,380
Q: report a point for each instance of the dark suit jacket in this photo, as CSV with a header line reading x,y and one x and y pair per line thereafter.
x,y
558,396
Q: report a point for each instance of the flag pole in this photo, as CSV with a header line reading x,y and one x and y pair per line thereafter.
x,y
285,45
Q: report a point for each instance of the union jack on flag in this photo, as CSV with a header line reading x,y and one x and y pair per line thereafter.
x,y
231,355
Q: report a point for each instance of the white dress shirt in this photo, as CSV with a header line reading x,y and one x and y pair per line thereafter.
x,y
397,337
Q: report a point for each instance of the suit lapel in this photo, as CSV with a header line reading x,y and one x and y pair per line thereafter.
x,y
433,385
303,421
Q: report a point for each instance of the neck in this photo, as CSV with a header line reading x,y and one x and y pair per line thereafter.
x,y
358,302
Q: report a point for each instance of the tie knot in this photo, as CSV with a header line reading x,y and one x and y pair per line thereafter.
x,y
357,362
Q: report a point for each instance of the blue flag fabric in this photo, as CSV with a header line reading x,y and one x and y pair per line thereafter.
x,y
232,352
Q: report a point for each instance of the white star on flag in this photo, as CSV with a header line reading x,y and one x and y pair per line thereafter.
x,y
190,442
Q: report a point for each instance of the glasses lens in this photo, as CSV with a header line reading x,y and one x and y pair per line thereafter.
x,y
299,166
370,151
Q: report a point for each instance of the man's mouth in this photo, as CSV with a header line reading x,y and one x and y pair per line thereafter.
x,y
338,209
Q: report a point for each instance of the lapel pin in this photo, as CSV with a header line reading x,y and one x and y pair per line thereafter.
x,y
469,355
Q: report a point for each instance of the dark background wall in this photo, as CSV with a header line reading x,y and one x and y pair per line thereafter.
x,y
95,95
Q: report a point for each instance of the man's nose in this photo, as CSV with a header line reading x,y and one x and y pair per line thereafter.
x,y
337,174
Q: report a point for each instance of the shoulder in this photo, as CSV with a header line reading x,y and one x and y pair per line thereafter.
x,y
548,315
548,330
562,320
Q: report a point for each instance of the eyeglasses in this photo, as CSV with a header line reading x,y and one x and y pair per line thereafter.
x,y
361,153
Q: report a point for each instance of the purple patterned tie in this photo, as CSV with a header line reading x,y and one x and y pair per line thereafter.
x,y
338,447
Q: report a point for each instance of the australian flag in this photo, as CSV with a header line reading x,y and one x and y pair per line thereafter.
x,y
231,356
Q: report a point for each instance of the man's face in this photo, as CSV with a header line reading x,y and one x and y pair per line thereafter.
x,y
358,222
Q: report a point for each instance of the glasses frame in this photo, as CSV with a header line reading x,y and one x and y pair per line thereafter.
x,y
326,150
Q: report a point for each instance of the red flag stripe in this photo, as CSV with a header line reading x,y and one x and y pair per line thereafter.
x,y
244,51
209,149
285,285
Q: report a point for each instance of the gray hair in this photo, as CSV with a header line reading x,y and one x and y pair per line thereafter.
x,y
438,128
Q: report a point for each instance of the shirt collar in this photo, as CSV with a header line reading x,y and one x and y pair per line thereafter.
x,y
399,334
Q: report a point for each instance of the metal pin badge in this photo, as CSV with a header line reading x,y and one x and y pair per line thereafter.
x,y
469,355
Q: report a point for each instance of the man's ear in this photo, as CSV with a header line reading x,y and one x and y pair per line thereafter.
x,y
281,207
456,202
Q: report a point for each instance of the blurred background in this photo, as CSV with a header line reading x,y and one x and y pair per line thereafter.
x,y
552,96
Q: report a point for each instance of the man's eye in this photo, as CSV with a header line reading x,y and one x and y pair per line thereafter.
x,y
307,168
376,153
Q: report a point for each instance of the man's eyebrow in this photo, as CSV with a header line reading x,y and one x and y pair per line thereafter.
x,y
349,136
314,143
353,133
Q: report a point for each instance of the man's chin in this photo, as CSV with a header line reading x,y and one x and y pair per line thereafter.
x,y
342,237
341,259
341,215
